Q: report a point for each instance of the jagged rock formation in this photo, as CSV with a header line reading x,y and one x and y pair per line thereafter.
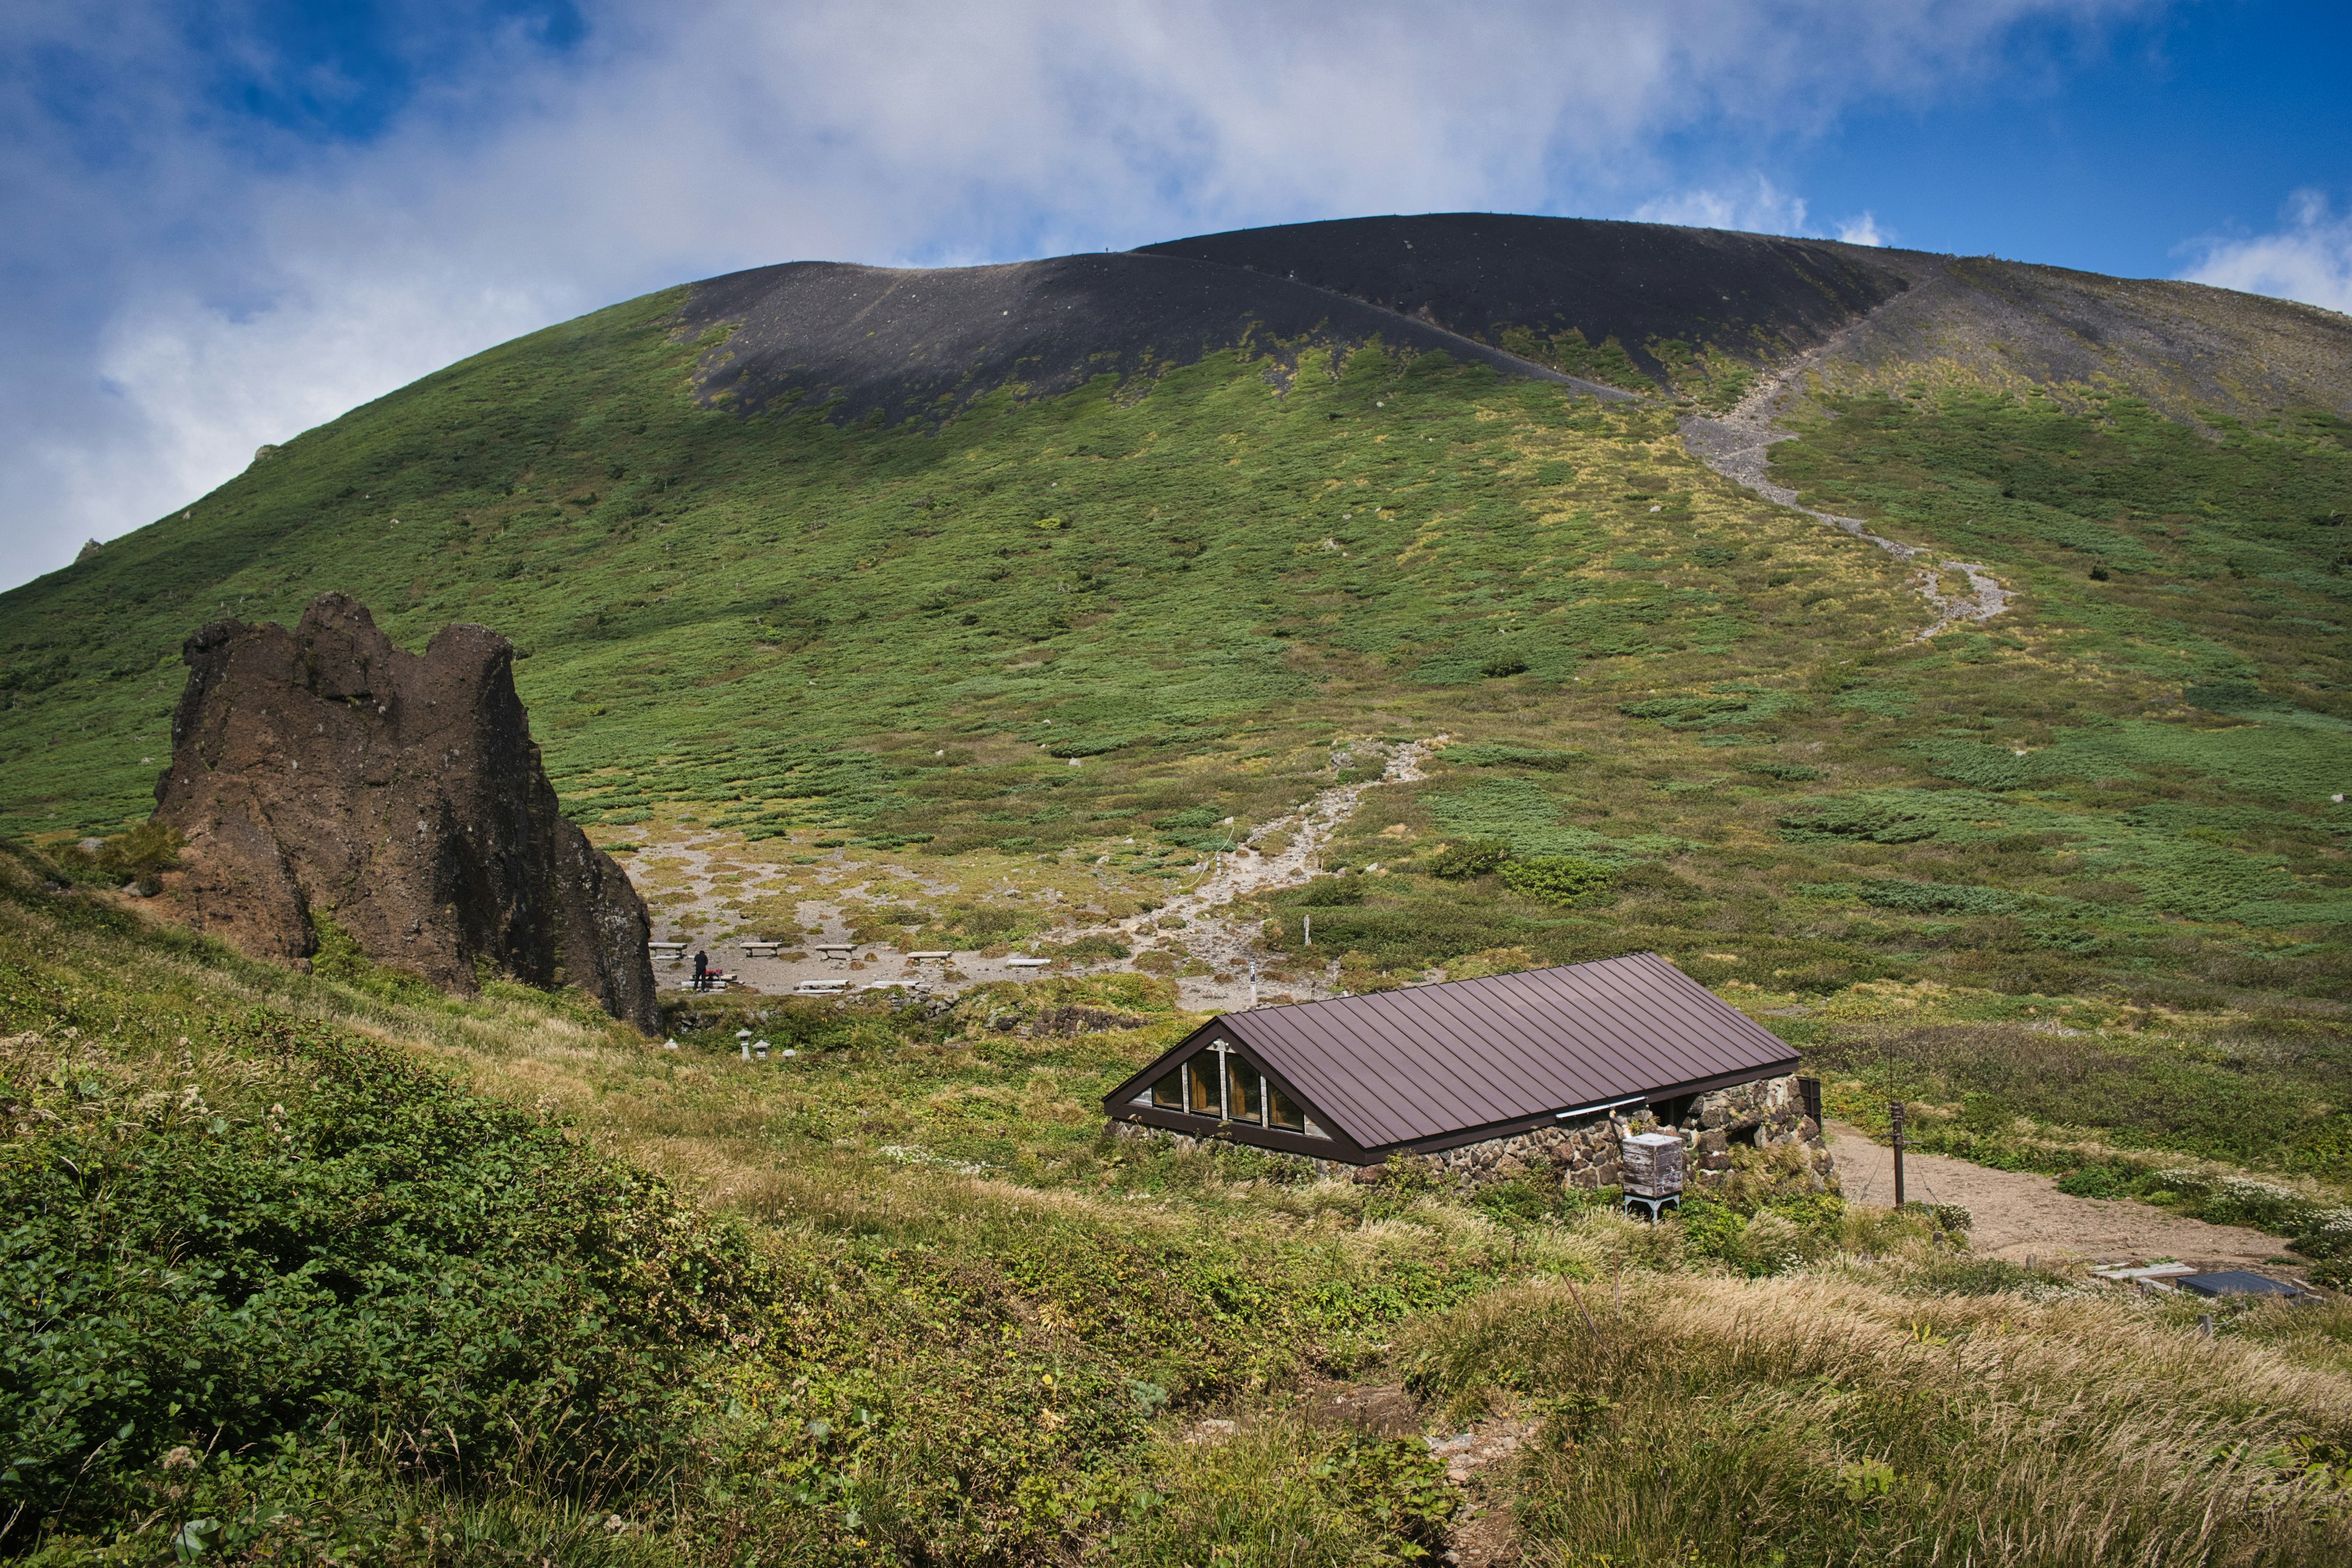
x,y
326,772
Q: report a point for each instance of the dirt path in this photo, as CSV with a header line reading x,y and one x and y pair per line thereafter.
x,y
2017,1215
1738,445
1227,946
1195,918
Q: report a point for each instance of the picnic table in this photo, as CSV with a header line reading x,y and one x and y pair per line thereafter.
x,y
762,949
711,980
928,957
837,951
1028,962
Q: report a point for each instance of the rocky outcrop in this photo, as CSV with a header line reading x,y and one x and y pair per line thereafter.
x,y
327,772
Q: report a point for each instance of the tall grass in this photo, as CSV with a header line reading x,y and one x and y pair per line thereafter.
x,y
1829,1419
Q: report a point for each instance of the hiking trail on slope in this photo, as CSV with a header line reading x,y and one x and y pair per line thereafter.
x,y
1738,445
1215,940
2017,1215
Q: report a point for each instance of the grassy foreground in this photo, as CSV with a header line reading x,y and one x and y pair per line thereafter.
x,y
301,1270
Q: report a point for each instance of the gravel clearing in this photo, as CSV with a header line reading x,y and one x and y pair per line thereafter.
x,y
2016,1215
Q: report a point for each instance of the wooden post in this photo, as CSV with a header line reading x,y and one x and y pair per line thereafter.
x,y
1894,1115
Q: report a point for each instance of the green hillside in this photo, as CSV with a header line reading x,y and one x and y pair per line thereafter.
x,y
1200,584
2072,883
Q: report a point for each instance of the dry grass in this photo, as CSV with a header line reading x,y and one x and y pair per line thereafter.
x,y
1834,1419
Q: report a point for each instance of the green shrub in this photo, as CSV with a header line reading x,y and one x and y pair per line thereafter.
x,y
1097,946
1686,712
339,958
1486,755
392,1257
1471,858
1872,821
2102,1181
1327,893
1939,898
1556,878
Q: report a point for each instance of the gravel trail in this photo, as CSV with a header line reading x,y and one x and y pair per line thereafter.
x,y
2016,1215
1738,445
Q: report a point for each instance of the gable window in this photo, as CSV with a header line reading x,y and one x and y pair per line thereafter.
x,y
1245,1091
1215,1082
1201,1080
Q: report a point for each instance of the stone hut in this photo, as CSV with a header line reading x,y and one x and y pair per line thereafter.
x,y
1541,1074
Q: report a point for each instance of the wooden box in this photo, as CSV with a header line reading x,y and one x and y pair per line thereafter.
x,y
1653,1165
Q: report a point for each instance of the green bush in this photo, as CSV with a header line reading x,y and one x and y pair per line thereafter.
x,y
1939,898
392,1258
1556,878
1486,754
338,957
1471,858
2103,1181
1871,821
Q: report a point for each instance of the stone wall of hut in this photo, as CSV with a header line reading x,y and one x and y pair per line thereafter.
x,y
1585,1153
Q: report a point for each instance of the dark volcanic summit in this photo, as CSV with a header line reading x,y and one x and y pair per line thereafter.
x,y
921,344
1480,274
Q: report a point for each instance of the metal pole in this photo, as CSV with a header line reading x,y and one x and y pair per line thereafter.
x,y
1894,1115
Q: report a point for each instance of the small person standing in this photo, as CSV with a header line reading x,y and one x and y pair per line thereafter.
x,y
702,968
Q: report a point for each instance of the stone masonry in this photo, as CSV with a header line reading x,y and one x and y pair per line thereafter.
x,y
1585,1153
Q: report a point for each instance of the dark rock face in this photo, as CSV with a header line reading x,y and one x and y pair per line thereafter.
x,y
326,770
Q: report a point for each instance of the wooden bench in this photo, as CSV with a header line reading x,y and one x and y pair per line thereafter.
x,y
928,957
837,951
762,948
1028,962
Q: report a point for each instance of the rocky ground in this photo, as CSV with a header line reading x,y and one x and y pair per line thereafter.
x,y
705,877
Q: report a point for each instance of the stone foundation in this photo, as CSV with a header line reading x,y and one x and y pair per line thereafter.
x,y
1584,1153
1766,1113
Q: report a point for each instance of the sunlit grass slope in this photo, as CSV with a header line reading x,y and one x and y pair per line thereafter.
x,y
1202,587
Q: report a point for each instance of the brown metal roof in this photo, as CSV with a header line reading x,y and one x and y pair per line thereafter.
x,y
1401,1066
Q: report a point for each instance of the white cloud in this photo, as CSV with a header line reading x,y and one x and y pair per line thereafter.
x,y
1762,208
2310,258
1863,230
188,285
1757,205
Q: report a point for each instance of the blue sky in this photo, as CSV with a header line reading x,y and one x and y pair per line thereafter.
x,y
227,224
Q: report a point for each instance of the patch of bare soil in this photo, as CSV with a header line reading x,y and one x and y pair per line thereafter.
x,y
1483,1535
2015,1215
